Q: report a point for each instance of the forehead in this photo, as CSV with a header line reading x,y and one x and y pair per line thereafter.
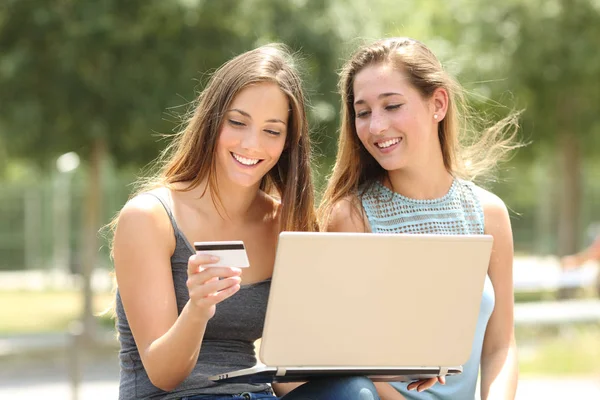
x,y
262,99
379,78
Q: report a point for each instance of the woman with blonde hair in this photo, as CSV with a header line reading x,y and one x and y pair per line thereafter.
x,y
405,164
239,170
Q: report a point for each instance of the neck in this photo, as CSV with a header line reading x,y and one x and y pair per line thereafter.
x,y
234,203
426,182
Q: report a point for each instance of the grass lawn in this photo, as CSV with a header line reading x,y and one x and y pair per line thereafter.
x,y
566,350
42,312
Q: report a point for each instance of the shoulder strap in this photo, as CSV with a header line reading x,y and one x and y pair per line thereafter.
x,y
167,206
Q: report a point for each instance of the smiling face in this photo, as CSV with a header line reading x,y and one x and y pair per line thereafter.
x,y
393,121
253,134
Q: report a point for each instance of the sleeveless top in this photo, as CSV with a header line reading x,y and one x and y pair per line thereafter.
x,y
457,212
228,343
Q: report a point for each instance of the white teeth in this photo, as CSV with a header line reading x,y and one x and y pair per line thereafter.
x,y
387,143
244,160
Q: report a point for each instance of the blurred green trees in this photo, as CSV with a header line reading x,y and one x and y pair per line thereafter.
x,y
107,78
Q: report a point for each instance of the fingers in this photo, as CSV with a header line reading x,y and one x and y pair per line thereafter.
x,y
222,295
214,291
208,288
208,285
209,280
197,260
425,384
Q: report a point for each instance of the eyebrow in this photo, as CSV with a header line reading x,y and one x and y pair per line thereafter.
x,y
245,114
381,96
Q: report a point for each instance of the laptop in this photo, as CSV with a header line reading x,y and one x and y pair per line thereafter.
x,y
393,307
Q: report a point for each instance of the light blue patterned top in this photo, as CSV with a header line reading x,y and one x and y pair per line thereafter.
x,y
457,212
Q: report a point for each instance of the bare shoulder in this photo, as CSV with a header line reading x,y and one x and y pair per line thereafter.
x,y
142,218
497,220
142,209
347,216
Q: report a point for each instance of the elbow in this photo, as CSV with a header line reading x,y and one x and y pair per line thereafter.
x,y
165,378
162,382
163,372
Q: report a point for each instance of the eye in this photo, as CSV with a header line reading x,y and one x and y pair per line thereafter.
x,y
362,114
392,107
236,123
272,132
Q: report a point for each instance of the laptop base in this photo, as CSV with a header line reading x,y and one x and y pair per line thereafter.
x,y
263,374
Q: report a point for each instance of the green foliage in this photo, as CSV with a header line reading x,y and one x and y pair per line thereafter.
x,y
76,70
72,71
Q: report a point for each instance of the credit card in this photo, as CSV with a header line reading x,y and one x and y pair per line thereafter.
x,y
231,253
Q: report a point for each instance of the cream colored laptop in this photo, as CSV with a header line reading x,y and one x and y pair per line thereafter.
x,y
393,307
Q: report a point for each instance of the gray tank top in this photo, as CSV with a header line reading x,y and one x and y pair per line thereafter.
x,y
228,343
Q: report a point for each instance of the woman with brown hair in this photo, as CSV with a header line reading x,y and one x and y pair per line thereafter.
x,y
239,170
405,164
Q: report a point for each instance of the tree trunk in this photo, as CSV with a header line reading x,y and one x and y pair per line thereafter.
x,y
92,209
570,195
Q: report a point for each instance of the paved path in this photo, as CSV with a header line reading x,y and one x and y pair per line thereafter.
x,y
49,380
529,389
557,312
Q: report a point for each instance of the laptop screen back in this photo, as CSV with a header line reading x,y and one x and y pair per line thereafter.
x,y
374,300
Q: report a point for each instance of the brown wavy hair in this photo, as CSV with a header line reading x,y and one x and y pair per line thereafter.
x,y
468,153
191,154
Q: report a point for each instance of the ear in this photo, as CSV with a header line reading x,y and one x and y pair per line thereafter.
x,y
439,104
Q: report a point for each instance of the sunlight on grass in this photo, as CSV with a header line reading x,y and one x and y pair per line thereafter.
x,y
566,350
40,312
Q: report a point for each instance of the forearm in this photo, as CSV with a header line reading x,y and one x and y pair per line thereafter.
x,y
499,374
282,389
387,392
171,358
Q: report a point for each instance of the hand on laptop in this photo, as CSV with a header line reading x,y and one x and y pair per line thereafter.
x,y
426,383
209,286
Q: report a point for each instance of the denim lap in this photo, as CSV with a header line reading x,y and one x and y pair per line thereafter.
x,y
241,396
347,388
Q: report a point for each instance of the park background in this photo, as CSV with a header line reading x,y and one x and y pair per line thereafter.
x,y
90,88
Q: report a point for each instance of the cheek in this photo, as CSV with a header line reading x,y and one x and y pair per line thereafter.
x,y
276,147
360,126
227,137
362,132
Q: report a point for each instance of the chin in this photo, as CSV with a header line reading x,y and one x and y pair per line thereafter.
x,y
245,181
390,165
247,184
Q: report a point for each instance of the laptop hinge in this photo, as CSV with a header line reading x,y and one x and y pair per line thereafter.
x,y
280,371
443,371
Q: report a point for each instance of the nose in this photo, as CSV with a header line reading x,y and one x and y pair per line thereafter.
x,y
378,124
251,139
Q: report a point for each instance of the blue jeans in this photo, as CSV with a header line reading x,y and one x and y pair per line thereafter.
x,y
349,388
268,395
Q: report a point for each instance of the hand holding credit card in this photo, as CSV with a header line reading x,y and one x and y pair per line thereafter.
x,y
230,253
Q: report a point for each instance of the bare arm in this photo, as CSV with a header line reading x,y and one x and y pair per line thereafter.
x,y
281,389
499,369
168,344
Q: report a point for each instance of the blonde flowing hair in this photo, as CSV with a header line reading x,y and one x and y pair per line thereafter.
x,y
467,153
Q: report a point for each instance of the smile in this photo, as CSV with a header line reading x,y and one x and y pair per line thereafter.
x,y
246,161
387,143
